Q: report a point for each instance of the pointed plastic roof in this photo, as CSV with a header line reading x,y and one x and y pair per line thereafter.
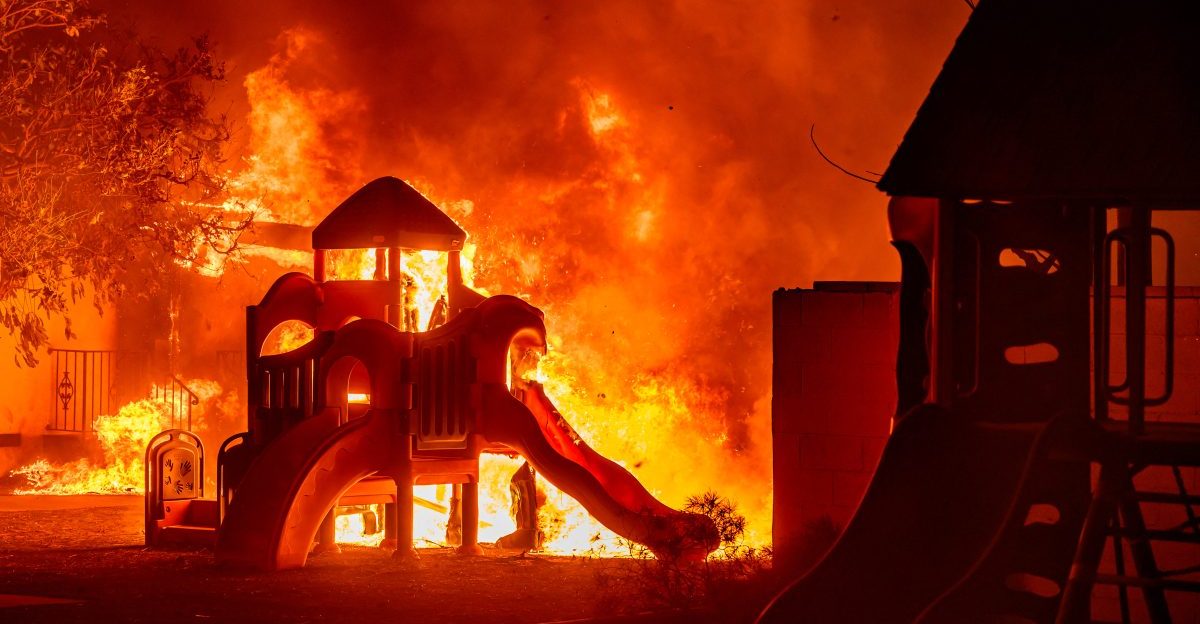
x,y
388,213
1063,99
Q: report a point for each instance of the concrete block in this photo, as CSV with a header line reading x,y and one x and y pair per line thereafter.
x,y
882,311
827,309
1187,354
813,487
864,345
831,452
1187,317
1156,317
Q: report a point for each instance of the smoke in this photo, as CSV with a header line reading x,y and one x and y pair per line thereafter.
x,y
641,171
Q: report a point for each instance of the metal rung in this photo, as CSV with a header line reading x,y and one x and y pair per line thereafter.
x,y
1164,497
1180,571
1161,536
1135,581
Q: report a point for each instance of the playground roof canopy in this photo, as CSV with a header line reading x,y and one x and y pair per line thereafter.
x,y
388,213
1094,100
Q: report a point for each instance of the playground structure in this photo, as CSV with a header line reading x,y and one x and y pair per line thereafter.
x,y
1012,386
374,405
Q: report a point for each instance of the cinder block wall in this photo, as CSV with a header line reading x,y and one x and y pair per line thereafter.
x,y
1184,406
832,403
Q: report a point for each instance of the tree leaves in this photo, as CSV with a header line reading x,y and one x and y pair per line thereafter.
x,y
106,146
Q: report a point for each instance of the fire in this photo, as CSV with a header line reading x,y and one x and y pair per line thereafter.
x,y
122,439
297,133
352,526
655,291
567,527
426,270
286,337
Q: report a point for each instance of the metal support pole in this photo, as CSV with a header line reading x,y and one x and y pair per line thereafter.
x,y
1076,602
1137,249
1100,310
1142,552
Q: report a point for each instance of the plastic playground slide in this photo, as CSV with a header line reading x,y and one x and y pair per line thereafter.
x,y
294,482
535,429
943,490
298,477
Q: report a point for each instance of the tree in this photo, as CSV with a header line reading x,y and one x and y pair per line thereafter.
x,y
107,150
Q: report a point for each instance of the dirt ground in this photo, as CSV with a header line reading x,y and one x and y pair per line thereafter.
x,y
89,551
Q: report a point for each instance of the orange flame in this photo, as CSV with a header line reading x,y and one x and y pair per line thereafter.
x,y
627,299
122,438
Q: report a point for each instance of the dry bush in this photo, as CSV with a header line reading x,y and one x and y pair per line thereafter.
x,y
731,585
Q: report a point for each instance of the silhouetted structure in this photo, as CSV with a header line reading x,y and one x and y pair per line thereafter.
x,y
1046,116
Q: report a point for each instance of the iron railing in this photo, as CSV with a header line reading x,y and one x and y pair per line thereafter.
x,y
180,398
95,382
83,388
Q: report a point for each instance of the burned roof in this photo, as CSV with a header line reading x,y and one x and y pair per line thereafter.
x,y
1069,99
388,213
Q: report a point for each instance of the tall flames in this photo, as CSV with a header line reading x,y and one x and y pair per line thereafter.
x,y
637,170
122,438
651,357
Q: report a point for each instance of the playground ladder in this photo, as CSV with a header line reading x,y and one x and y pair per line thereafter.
x,y
1124,449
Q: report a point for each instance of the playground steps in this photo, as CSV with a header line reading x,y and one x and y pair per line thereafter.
x,y
1116,518
189,521
187,534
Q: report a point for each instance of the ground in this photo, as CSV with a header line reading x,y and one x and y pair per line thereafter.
x,y
88,553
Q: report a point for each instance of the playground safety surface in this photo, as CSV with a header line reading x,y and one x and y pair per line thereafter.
x,y
81,558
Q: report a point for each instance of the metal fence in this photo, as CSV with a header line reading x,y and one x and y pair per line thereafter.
x,y
93,382
83,388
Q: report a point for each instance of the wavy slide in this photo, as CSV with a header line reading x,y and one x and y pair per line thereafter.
x,y
283,498
535,429
944,488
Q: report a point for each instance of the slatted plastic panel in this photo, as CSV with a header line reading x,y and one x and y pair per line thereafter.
x,y
444,370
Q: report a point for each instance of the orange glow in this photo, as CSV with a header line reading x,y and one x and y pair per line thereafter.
x,y
618,367
123,437
352,527
648,192
287,336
